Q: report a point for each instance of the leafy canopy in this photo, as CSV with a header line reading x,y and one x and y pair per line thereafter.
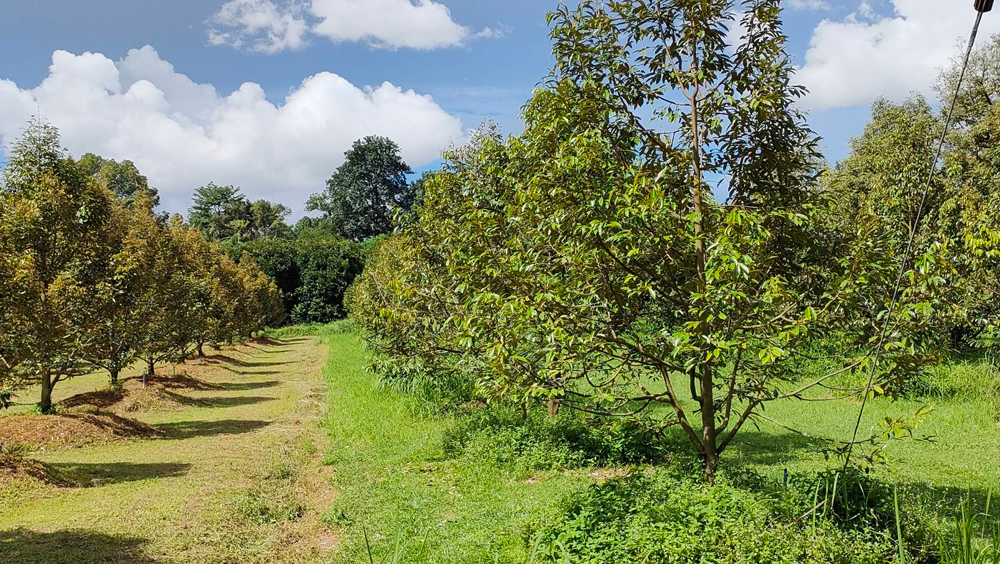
x,y
588,261
361,196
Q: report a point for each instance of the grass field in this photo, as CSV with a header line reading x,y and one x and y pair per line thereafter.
x,y
397,485
236,476
261,469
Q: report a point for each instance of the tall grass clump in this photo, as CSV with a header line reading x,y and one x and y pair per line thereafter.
x,y
973,379
975,539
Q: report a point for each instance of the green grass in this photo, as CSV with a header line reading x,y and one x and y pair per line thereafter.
x,y
954,453
394,481
322,330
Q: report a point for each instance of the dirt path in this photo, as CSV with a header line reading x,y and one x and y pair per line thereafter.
x,y
235,477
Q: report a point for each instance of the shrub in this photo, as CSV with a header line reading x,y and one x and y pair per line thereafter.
x,y
327,266
278,258
535,442
673,517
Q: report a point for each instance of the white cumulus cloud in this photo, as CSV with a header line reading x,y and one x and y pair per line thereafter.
x,y
269,26
259,25
182,134
865,55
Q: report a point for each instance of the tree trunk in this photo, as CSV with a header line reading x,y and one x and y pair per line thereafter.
x,y
709,439
114,376
201,351
708,433
150,368
553,407
46,403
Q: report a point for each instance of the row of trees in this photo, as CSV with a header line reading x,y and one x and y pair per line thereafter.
x,y
664,233
92,277
875,193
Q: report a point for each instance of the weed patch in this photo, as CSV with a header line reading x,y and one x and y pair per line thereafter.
x,y
672,516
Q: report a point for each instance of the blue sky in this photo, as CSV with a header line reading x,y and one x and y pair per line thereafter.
x,y
476,59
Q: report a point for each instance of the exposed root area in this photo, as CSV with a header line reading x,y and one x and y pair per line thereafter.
x,y
17,468
46,432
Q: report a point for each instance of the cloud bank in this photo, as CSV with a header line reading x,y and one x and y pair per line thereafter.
x,y
865,55
182,134
270,27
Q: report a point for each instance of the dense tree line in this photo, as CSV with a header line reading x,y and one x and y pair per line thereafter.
x,y
93,278
664,233
313,271
315,261
874,194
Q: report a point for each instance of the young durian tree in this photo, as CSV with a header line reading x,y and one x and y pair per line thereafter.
x,y
53,218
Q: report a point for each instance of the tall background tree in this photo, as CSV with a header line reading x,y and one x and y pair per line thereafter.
x,y
123,179
362,195
219,211
224,214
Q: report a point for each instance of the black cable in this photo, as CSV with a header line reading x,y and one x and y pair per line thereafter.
x,y
913,234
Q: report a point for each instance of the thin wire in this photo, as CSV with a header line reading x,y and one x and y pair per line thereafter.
x,y
913,235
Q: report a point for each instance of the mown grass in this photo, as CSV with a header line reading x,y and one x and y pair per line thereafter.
x,y
953,453
226,483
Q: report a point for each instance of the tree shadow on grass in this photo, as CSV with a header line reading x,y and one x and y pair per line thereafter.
x,y
22,546
232,370
179,381
274,350
248,386
776,449
752,447
223,359
90,475
190,429
772,449
270,341
218,401
945,501
101,399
